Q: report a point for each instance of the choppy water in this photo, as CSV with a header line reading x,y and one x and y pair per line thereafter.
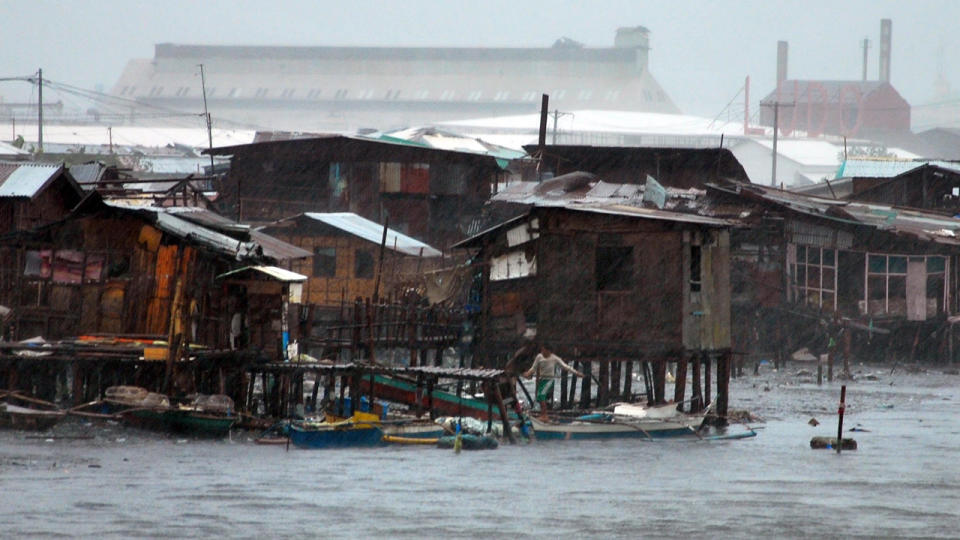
x,y
903,482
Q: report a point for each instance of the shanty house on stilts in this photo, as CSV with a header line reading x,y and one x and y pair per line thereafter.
x,y
874,278
148,272
609,286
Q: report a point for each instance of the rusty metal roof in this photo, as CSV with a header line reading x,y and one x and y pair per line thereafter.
x,y
259,247
627,207
648,213
925,226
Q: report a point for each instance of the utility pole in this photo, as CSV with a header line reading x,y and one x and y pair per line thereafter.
x,y
556,116
206,115
542,134
40,110
110,137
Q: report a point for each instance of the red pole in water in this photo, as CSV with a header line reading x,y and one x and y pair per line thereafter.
x,y
843,397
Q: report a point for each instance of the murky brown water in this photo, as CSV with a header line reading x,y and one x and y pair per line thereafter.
x,y
904,481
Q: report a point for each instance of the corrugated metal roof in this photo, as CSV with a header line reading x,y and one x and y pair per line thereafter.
x,y
373,232
888,168
920,225
607,207
259,247
86,173
448,140
649,213
276,248
590,191
278,274
26,179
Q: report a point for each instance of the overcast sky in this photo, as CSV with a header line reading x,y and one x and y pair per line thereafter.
x,y
701,50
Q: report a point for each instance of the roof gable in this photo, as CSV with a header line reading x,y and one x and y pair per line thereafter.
x,y
29,179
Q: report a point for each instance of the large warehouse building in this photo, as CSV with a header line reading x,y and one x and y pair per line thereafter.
x,y
350,88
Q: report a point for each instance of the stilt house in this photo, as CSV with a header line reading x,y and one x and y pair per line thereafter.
x,y
882,276
113,268
608,285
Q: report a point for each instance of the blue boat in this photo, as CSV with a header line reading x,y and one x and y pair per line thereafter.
x,y
358,430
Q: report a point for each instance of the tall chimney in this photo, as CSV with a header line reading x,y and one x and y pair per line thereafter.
x,y
886,30
781,62
866,47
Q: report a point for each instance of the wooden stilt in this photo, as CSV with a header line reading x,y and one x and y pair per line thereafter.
x,y
707,361
696,397
315,391
614,389
249,401
563,388
430,397
680,384
604,377
77,390
647,380
585,386
628,380
488,392
659,381
418,407
723,386
503,414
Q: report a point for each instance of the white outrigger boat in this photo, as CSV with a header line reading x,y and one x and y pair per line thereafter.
x,y
625,421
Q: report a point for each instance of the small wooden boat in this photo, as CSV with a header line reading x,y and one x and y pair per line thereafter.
x,y
404,391
413,429
468,441
625,422
204,415
18,411
361,429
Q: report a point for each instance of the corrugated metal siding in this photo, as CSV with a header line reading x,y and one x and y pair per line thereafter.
x,y
808,234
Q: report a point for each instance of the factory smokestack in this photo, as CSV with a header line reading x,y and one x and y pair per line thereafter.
x,y
886,30
781,62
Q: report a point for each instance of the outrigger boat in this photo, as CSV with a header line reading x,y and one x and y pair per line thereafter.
x,y
361,429
404,391
18,411
211,415
625,421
